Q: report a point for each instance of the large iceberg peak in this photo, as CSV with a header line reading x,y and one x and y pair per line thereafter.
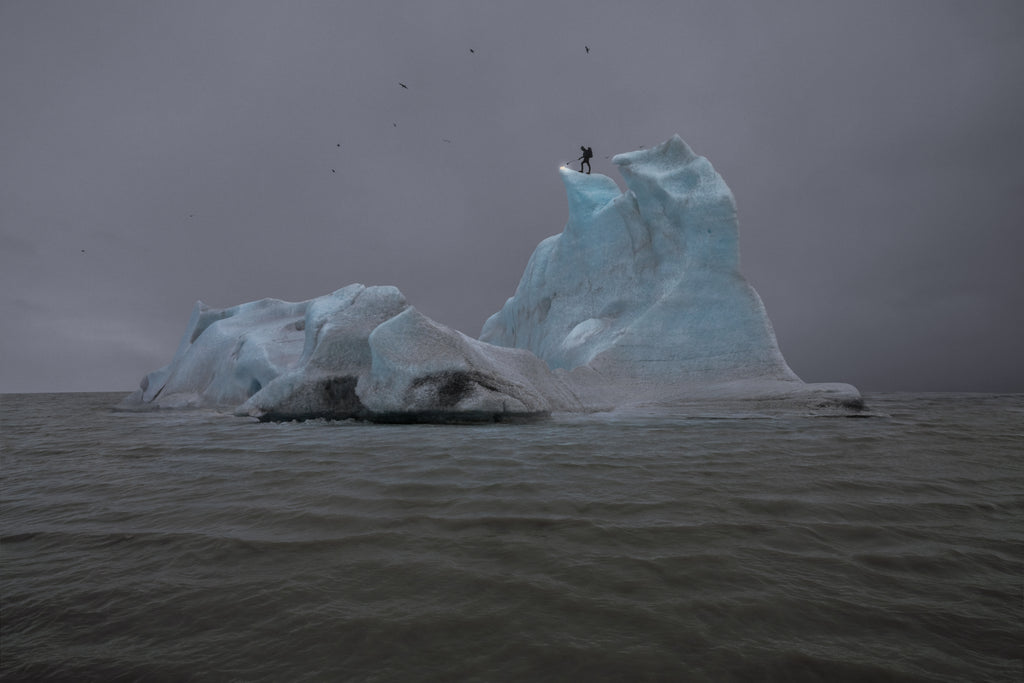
x,y
644,285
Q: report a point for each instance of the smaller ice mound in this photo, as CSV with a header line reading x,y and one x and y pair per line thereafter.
x,y
226,355
422,370
360,352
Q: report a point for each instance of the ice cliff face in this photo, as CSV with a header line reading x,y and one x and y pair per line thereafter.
x,y
639,301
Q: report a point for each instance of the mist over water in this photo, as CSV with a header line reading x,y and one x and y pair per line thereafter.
x,y
199,546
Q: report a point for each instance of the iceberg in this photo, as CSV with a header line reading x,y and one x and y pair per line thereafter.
x,y
638,302
360,353
641,296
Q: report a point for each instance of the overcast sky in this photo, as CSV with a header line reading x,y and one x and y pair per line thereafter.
x,y
155,153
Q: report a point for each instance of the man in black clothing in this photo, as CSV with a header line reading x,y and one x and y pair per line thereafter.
x,y
585,159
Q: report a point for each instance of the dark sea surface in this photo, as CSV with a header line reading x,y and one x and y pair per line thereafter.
x,y
198,546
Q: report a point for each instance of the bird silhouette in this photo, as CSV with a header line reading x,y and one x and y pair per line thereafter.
x,y
404,85
585,47
472,51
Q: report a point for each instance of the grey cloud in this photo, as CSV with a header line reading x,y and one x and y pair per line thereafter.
x,y
188,148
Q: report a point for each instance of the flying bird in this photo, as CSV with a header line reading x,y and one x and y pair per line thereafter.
x,y
404,85
587,48
472,51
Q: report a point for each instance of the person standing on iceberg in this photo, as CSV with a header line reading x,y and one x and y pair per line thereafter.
x,y
585,158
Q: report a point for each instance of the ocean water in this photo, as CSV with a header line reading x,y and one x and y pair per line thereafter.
x,y
196,546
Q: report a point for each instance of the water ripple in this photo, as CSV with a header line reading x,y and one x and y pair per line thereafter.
x,y
197,546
